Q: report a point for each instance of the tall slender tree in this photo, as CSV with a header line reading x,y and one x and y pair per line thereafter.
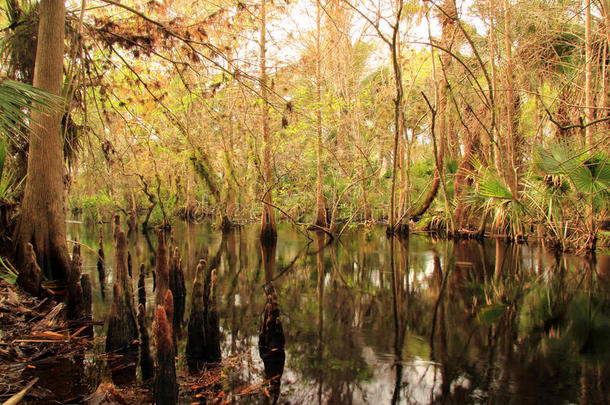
x,y
320,215
589,108
514,139
268,229
447,16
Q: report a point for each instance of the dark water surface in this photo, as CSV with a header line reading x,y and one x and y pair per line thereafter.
x,y
417,321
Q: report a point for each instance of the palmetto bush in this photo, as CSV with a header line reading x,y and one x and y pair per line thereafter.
x,y
566,191
569,190
491,192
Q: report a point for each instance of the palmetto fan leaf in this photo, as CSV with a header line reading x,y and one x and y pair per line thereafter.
x,y
16,99
557,159
593,176
490,185
493,187
589,174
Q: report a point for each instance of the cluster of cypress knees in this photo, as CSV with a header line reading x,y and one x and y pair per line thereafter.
x,y
128,330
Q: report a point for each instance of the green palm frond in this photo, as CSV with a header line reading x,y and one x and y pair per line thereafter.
x,y
2,155
589,174
489,184
593,176
557,159
7,178
544,201
16,99
494,187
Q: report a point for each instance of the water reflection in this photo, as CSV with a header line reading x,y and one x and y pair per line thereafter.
x,y
370,319
271,343
101,265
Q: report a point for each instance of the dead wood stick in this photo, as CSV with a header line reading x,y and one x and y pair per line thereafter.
x,y
15,399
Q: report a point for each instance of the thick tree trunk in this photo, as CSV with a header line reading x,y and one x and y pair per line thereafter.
x,y
42,221
268,230
447,135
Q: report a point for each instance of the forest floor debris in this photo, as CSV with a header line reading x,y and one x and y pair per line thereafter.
x,y
36,342
35,338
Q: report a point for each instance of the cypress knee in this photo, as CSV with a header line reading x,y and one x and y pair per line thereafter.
x,y
74,299
162,270
212,324
165,389
122,325
168,304
195,344
176,285
146,361
271,343
85,283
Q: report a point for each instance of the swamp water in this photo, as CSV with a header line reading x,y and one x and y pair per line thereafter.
x,y
373,320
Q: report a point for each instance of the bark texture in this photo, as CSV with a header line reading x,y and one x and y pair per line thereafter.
x,y
162,270
146,361
195,344
42,222
165,389
30,276
122,324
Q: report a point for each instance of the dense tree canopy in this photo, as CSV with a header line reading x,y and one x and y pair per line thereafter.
x,y
474,117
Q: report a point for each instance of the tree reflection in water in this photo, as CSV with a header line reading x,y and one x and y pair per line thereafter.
x,y
376,320
271,339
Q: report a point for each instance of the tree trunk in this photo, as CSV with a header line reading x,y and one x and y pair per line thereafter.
x,y
462,210
445,128
497,146
42,221
606,92
397,110
268,230
514,139
320,215
447,134
429,197
589,109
